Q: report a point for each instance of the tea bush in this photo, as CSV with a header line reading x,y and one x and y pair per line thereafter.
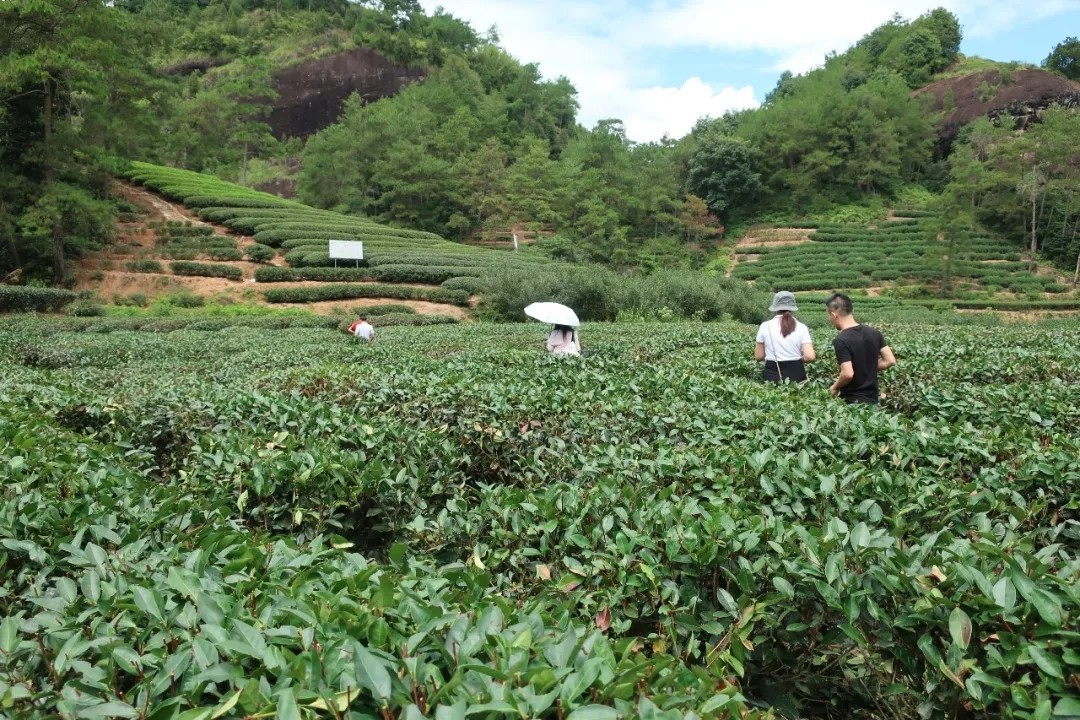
x,y
259,253
20,298
286,522
372,290
228,272
144,266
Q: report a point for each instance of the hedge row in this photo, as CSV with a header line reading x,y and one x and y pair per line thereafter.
x,y
20,298
351,292
269,201
471,285
228,272
182,231
197,243
221,214
1016,305
144,266
387,309
384,273
347,224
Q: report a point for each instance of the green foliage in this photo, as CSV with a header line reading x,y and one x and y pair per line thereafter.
x,y
945,250
85,308
598,294
18,298
144,266
259,253
1065,58
229,272
724,172
371,290
449,519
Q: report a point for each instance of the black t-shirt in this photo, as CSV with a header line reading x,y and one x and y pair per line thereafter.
x,y
860,345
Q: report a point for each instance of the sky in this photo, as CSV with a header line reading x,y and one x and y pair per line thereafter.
x,y
659,65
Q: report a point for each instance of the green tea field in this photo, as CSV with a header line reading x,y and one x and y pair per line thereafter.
x,y
226,521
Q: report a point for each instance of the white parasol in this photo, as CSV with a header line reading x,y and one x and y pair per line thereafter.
x,y
553,313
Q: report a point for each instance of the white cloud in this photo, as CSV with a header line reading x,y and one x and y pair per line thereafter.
x,y
656,111
608,48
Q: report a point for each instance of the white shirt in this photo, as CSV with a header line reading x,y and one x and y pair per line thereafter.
x,y
563,342
365,330
778,347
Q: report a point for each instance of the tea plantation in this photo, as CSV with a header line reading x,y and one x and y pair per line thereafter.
x,y
250,522
301,234
898,253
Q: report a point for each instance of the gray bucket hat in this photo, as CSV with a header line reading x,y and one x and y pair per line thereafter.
x,y
783,300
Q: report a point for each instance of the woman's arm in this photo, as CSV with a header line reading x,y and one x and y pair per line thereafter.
x,y
808,353
759,351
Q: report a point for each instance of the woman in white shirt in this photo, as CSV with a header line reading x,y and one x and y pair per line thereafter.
x,y
783,342
563,340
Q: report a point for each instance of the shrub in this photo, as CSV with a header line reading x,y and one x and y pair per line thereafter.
x,y
387,309
228,272
600,294
19,298
188,231
259,253
225,253
348,292
133,300
144,266
471,285
85,308
185,299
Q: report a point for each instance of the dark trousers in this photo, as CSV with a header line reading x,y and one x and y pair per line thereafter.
x,y
793,370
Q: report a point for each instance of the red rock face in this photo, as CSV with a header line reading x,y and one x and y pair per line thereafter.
x,y
311,95
1023,94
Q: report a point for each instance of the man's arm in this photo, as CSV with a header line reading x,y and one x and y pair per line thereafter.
x,y
886,359
759,351
847,374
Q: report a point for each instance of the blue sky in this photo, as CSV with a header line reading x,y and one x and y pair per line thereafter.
x,y
660,64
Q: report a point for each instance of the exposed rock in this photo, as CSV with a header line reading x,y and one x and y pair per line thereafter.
x,y
311,95
186,67
282,187
1022,94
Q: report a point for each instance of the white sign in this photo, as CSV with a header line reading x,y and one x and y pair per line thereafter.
x,y
346,250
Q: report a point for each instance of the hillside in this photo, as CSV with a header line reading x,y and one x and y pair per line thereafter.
x,y
199,234
899,257
1021,94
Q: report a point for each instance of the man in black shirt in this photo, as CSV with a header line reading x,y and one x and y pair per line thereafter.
x,y
861,352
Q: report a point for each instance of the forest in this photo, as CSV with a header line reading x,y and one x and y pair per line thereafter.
x,y
486,142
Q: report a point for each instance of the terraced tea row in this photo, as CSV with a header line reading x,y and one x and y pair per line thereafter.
x,y
302,235
898,253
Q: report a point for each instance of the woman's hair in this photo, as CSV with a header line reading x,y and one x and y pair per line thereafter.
x,y
787,323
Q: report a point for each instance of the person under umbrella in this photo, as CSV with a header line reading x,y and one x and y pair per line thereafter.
x,y
563,338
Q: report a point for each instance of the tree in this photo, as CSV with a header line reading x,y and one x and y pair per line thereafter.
x,y
58,62
724,172
1065,58
699,221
